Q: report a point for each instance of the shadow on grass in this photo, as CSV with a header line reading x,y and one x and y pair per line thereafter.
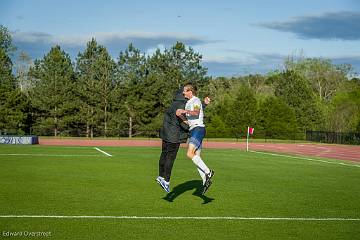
x,y
187,186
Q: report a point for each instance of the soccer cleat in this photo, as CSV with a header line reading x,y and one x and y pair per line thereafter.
x,y
208,182
209,175
166,186
206,186
161,181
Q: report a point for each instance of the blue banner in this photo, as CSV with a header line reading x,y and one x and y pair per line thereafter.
x,y
19,140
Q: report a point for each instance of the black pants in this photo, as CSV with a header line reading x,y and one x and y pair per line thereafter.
x,y
167,158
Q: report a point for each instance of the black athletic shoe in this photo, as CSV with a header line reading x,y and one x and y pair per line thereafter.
x,y
206,187
208,181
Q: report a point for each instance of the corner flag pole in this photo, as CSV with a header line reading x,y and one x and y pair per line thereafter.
x,y
247,140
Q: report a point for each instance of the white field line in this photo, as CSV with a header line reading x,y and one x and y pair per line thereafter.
x,y
308,159
47,155
77,147
186,218
107,154
342,155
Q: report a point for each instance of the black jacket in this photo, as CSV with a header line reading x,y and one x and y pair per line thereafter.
x,y
173,129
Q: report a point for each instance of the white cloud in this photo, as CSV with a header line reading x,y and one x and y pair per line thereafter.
x,y
147,38
37,44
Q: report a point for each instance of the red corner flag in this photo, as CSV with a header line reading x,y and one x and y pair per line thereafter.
x,y
250,131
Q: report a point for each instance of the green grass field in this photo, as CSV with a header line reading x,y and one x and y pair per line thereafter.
x,y
81,181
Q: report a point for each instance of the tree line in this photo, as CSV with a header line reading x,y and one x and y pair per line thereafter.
x,y
96,95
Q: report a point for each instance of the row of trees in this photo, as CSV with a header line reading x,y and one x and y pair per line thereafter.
x,y
98,96
282,104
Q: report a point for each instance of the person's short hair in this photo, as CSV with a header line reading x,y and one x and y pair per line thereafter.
x,y
191,87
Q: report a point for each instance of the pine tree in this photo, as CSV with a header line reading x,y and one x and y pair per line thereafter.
x,y
14,106
95,72
53,94
131,88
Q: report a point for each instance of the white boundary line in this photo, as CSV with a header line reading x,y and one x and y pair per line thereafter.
x,y
186,218
98,149
309,159
47,155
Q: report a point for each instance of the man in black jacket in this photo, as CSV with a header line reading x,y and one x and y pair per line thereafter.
x,y
173,132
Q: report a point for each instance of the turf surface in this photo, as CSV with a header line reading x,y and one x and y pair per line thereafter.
x,y
81,181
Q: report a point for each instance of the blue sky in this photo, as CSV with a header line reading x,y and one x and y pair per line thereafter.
x,y
234,37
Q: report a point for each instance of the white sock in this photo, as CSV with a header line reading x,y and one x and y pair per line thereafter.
x,y
200,164
202,175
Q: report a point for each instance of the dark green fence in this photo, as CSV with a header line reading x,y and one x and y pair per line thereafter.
x,y
263,136
333,137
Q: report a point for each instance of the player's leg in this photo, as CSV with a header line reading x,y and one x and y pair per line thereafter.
x,y
162,159
195,143
202,174
202,168
172,151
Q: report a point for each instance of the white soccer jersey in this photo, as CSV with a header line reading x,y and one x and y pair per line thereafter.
x,y
195,120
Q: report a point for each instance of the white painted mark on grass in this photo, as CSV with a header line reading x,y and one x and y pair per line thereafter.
x,y
47,155
187,218
107,154
308,159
